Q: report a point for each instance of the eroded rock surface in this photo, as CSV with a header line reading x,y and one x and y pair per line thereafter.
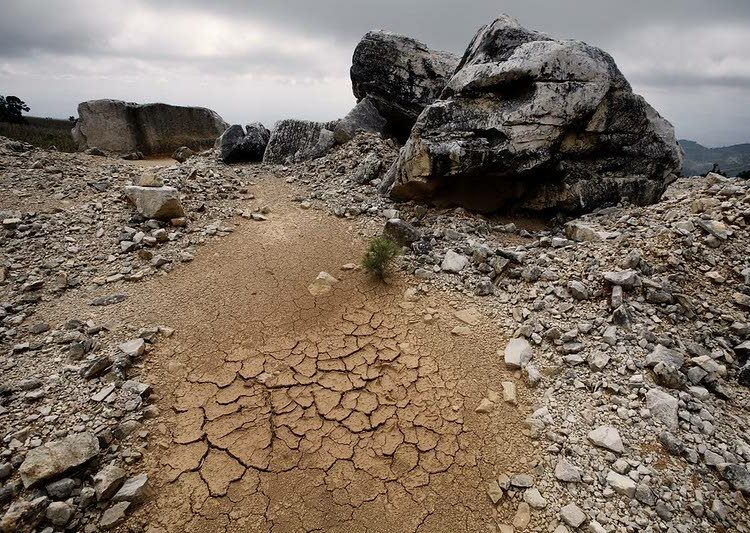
x,y
363,117
297,140
400,76
153,129
535,123
243,144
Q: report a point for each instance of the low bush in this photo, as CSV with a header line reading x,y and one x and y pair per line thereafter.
x,y
379,257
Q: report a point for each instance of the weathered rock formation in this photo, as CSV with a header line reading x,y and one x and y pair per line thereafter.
x,y
153,129
536,123
297,140
243,144
363,117
400,76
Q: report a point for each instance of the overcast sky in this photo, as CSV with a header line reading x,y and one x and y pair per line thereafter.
x,y
264,60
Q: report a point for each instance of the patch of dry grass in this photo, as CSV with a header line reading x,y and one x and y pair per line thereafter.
x,y
41,132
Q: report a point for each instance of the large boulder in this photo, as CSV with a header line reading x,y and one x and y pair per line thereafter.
x,y
535,123
363,117
400,76
294,140
153,129
238,144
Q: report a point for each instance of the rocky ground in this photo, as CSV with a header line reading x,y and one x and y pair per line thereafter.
x,y
623,341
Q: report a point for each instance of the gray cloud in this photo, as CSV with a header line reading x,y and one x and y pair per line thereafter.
x,y
268,59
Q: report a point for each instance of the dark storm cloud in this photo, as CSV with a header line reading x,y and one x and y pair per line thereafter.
x,y
681,54
445,23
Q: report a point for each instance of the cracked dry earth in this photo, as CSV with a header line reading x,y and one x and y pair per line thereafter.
x,y
349,411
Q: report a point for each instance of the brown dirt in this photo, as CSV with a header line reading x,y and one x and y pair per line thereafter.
x,y
350,411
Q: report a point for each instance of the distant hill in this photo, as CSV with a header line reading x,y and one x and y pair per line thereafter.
x,y
731,159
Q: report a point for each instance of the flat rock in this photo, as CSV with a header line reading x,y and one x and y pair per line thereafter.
x,y
161,203
134,490
57,457
108,481
114,516
622,485
663,407
572,515
606,437
454,262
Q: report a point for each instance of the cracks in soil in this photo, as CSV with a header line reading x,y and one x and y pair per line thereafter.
x,y
344,412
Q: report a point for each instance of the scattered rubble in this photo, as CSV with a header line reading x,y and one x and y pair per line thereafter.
x,y
632,322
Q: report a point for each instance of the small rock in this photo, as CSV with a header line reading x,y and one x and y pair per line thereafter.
x,y
522,480
572,515
59,513
534,498
108,481
133,348
322,284
518,353
134,490
453,262
607,437
627,279
522,517
663,407
509,392
622,485
401,232
162,203
567,472
114,516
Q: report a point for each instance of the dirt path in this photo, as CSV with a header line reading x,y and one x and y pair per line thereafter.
x,y
350,411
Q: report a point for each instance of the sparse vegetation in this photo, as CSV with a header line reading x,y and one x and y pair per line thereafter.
x,y
745,174
41,132
378,259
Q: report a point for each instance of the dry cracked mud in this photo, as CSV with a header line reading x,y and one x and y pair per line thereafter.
x,y
347,411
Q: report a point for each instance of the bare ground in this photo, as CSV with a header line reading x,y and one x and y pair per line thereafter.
x,y
349,411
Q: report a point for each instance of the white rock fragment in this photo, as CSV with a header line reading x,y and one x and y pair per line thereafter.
x,y
663,407
322,284
454,262
606,437
622,485
518,353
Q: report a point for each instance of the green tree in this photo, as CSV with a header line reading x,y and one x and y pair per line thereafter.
x,y
745,174
12,109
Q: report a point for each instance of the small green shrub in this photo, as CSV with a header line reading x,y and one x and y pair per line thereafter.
x,y
378,258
